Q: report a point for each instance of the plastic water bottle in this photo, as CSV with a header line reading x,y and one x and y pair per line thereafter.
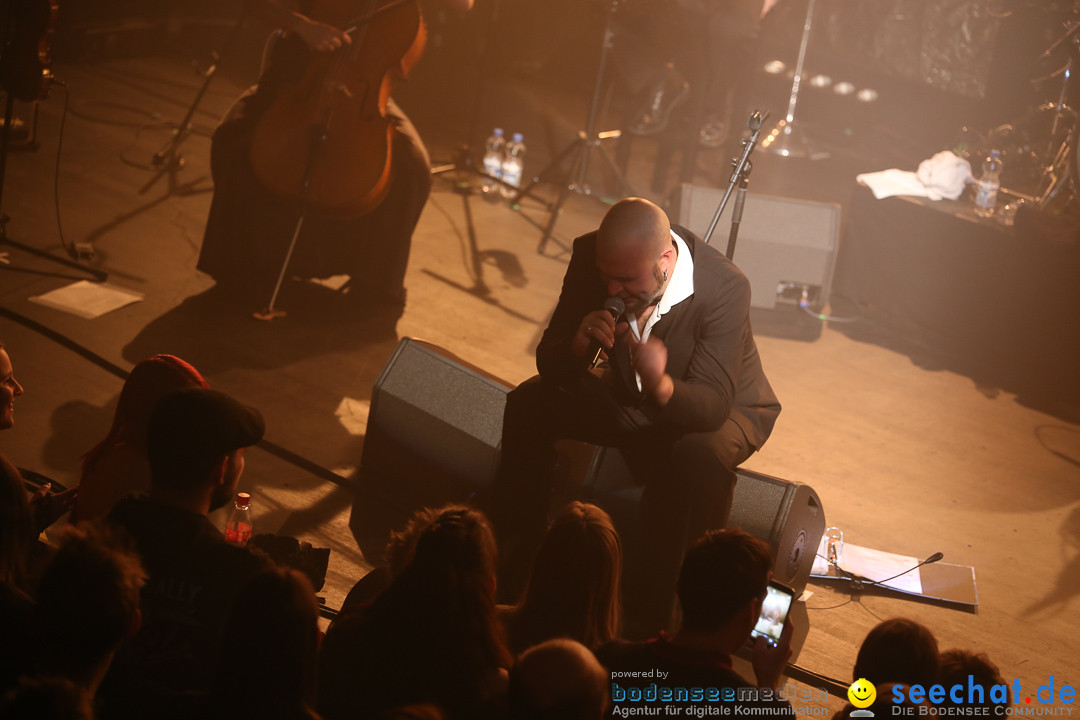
x,y
988,184
493,160
513,165
238,526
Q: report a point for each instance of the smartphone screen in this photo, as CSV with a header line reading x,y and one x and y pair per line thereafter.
x,y
774,612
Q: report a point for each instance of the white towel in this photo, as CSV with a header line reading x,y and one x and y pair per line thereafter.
x,y
887,183
942,176
945,175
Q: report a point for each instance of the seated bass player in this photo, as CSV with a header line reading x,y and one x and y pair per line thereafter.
x,y
250,226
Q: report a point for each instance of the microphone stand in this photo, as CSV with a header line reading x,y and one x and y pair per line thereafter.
x,y
7,39
740,176
168,161
588,141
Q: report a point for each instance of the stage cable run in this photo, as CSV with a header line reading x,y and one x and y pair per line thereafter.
x,y
71,249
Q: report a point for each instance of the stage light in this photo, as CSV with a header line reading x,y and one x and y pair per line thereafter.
x,y
843,88
775,67
821,81
867,95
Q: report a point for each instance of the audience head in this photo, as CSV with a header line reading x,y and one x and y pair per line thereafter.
x,y
723,574
87,601
557,680
9,390
148,381
399,550
898,651
954,667
195,441
458,546
573,590
16,523
275,618
435,627
46,698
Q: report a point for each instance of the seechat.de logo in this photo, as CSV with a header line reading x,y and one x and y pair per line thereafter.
x,y
862,694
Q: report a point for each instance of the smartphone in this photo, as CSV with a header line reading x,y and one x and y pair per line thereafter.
x,y
774,612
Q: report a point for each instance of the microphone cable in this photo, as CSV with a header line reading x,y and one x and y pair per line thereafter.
x,y
859,582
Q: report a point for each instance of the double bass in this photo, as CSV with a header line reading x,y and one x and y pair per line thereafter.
x,y
326,138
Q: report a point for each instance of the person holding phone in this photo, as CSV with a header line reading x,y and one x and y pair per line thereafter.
x,y
722,585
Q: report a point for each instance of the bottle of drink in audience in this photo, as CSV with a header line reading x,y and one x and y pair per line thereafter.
x,y
238,526
988,184
513,165
493,159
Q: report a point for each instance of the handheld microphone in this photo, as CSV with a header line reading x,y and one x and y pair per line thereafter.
x,y
615,307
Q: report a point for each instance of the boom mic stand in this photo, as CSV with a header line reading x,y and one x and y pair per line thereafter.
x,y
784,140
5,139
168,160
586,142
740,175
463,160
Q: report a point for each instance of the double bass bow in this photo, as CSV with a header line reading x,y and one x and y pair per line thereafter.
x,y
326,138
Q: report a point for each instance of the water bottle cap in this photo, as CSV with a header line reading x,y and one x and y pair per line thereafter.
x,y
518,137
498,132
243,500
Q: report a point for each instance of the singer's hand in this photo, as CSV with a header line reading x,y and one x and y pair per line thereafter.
x,y
650,362
596,327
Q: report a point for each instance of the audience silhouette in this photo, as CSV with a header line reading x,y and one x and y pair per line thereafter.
x,y
432,636
195,447
117,466
573,591
557,680
273,633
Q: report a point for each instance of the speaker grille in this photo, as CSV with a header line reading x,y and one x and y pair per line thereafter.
x,y
447,391
426,406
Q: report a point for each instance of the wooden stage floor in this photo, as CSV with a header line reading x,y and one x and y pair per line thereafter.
x,y
905,457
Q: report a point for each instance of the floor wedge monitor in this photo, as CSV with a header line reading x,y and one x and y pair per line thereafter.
x,y
786,515
433,429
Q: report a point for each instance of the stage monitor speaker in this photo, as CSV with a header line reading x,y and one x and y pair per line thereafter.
x,y
781,241
786,515
433,430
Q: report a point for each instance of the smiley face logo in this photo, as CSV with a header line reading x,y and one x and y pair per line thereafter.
x,y
862,693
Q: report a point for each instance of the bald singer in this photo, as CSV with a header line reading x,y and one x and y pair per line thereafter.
x,y
682,392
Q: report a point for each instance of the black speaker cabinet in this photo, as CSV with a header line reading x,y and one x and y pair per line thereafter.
x,y
781,241
434,428
433,436
786,515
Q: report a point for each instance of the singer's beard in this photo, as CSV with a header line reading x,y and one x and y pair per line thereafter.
x,y
637,303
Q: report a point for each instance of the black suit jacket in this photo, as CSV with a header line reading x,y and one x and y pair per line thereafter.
x,y
712,356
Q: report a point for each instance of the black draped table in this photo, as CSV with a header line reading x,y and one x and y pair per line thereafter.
x,y
1000,303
